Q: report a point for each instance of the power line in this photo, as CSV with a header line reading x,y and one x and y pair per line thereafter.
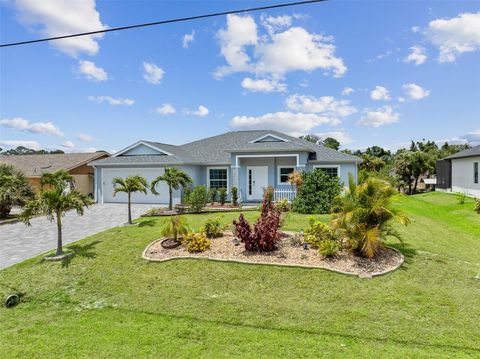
x,y
182,19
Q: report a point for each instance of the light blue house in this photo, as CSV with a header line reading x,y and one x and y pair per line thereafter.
x,y
249,160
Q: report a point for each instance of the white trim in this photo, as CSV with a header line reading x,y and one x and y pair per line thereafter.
x,y
269,135
338,167
218,168
275,155
140,143
246,177
278,174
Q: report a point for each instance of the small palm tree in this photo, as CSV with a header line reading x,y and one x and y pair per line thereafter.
x,y
54,200
129,185
14,189
363,214
175,227
174,179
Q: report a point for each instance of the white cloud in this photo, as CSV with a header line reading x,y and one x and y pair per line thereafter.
x,y
263,85
417,55
62,17
325,105
415,92
201,111
473,137
166,109
91,71
84,137
380,93
455,36
112,101
275,23
347,91
379,117
341,136
68,144
21,124
289,122
34,145
277,53
188,39
415,28
152,73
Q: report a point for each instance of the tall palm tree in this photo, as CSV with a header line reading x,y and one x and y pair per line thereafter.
x,y
54,201
130,185
174,179
14,189
363,214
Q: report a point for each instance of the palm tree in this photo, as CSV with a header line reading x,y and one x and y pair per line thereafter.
x,y
174,179
363,214
54,201
14,189
130,185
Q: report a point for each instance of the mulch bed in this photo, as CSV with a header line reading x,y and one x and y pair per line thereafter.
x,y
288,254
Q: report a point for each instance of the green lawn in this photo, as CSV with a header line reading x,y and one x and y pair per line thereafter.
x,y
108,302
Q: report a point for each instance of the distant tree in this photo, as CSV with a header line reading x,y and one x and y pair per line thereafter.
x,y
310,138
174,178
14,189
129,185
21,150
410,165
372,163
331,142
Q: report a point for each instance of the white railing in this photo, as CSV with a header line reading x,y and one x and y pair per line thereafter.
x,y
280,193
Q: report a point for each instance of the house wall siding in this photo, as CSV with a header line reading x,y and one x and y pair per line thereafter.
x,y
462,176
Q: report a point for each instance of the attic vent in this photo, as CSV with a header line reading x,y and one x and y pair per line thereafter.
x,y
269,138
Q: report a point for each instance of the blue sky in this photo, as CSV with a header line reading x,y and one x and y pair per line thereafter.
x,y
364,72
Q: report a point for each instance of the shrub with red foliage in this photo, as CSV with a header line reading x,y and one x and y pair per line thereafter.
x,y
265,234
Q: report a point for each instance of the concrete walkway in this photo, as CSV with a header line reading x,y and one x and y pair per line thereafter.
x,y
19,242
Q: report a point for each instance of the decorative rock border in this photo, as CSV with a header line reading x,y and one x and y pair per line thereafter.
x,y
362,275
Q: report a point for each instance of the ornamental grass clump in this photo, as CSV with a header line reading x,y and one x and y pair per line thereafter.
x,y
265,234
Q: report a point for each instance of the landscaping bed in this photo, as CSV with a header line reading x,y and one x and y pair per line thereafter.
x,y
227,248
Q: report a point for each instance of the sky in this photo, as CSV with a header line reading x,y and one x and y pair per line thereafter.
x,y
367,73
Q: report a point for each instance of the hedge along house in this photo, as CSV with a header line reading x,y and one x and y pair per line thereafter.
x,y
248,160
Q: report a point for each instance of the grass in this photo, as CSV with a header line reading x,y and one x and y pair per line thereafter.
x,y
108,302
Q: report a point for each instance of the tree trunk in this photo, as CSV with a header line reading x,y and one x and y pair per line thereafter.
x,y
170,201
129,209
59,234
415,185
410,187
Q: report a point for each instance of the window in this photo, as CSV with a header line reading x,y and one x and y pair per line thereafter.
x,y
333,171
218,177
475,172
283,173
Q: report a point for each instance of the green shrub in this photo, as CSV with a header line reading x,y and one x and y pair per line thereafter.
x,y
187,191
198,199
477,205
461,197
14,189
222,195
329,248
234,195
176,226
282,205
316,193
317,232
196,242
212,195
213,228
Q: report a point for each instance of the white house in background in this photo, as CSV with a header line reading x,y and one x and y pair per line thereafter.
x,y
460,172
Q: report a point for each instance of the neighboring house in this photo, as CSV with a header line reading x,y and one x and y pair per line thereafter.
x,y
460,172
249,160
75,163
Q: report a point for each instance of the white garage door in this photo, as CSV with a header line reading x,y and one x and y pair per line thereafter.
x,y
149,173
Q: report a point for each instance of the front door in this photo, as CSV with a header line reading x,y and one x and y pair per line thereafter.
x,y
257,181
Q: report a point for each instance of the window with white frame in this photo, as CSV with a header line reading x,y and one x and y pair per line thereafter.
x,y
283,173
475,172
217,177
332,171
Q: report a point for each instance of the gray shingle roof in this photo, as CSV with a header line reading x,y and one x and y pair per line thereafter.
x,y
470,152
218,149
35,165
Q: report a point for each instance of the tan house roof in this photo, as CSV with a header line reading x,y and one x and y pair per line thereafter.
x,y
35,165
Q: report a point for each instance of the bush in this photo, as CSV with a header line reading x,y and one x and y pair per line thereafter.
x,y
187,192
175,227
477,205
222,195
196,242
317,232
328,248
234,196
316,193
198,199
212,195
282,205
461,197
213,228
265,234
14,189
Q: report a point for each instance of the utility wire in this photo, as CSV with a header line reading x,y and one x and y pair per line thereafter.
x,y
182,19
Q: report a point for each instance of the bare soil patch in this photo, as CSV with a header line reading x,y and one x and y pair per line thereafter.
x,y
226,248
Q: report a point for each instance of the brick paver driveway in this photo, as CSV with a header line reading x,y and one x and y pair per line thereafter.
x,y
19,242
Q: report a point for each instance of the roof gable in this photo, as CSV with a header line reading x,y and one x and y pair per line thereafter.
x,y
269,137
142,148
